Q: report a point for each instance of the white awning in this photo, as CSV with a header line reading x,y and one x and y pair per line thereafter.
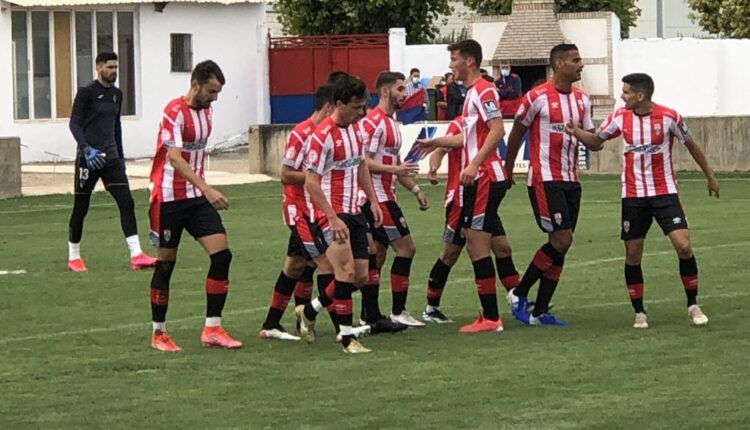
x,y
52,3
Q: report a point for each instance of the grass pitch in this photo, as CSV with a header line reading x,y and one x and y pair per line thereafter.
x,y
74,352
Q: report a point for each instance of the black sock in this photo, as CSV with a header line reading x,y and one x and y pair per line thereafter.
x,y
370,306
400,270
484,278
689,276
507,273
634,283
160,290
279,300
217,283
542,261
436,282
303,289
548,285
343,303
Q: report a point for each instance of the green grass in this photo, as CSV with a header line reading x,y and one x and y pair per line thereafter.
x,y
74,350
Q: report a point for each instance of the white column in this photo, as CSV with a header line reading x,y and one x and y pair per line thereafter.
x,y
396,47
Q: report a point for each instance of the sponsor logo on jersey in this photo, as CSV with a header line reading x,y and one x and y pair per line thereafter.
x,y
644,149
348,163
558,128
491,109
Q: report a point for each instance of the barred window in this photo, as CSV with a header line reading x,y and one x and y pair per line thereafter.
x,y
182,52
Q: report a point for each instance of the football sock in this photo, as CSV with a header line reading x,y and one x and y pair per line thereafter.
x,y
370,293
689,276
217,283
400,270
74,251
134,245
484,278
124,200
304,286
323,300
160,292
279,300
547,286
343,304
634,283
436,282
80,209
507,272
542,261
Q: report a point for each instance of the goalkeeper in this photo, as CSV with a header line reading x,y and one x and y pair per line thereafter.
x,y
95,124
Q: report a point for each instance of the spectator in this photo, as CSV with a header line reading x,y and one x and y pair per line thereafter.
x,y
509,87
455,95
442,95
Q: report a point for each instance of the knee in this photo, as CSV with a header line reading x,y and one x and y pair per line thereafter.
x,y
293,267
409,250
562,243
450,256
502,250
684,250
348,274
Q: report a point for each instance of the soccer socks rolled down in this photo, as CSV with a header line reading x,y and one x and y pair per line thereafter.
x,y
279,300
547,286
689,276
484,278
400,270
542,261
343,304
160,292
303,288
634,282
217,284
507,273
134,245
74,251
371,291
436,282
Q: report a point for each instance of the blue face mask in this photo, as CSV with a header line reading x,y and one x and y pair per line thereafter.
x,y
505,72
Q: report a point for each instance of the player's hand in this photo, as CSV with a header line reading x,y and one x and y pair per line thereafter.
x,y
406,169
216,199
339,229
94,158
432,175
570,128
426,146
511,181
713,187
424,204
468,175
377,215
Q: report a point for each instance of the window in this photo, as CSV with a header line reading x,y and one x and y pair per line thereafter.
x,y
182,52
53,55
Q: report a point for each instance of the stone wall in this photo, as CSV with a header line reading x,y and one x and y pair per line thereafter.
x,y
10,167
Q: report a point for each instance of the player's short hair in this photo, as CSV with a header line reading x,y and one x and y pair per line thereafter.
x,y
388,78
323,95
468,48
414,69
558,51
204,70
448,74
105,56
640,82
347,89
336,76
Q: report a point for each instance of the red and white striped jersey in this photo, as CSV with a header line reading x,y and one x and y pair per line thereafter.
x,y
335,153
553,153
294,202
647,149
188,129
482,104
455,162
382,139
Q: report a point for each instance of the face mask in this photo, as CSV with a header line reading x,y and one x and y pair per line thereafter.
x,y
415,79
505,72
460,82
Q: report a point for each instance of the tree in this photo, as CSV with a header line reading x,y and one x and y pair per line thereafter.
x,y
626,10
314,17
727,18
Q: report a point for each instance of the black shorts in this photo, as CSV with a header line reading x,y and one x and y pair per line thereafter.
x,y
86,179
307,239
639,212
481,202
195,215
556,205
394,224
357,225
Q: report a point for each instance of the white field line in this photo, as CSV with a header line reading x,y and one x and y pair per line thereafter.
x,y
12,272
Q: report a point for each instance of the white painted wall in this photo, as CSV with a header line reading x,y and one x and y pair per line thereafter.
x,y
590,35
488,35
675,20
431,60
233,36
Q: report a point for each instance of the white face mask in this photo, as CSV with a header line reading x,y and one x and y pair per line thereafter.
x,y
415,79
505,72
460,82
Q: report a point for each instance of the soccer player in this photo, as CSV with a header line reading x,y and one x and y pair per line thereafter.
x,y
306,241
189,203
454,242
649,185
382,146
95,125
553,186
482,181
336,171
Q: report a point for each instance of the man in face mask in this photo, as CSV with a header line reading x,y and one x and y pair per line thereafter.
x,y
509,87
414,86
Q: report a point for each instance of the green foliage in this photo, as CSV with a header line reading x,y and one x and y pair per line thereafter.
x,y
305,17
727,18
626,10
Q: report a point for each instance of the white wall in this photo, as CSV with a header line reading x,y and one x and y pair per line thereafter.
x,y
431,60
698,77
233,36
488,35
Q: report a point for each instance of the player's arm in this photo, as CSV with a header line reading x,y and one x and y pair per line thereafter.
x,y
514,144
447,142
436,159
588,138
700,158
496,134
291,176
413,188
174,154
365,182
77,115
118,134
399,169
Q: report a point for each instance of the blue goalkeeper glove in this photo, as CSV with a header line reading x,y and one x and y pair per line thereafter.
x,y
95,159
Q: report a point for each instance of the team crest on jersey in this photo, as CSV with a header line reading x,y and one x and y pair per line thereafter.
x,y
558,218
291,153
657,129
626,226
114,98
167,235
165,135
312,157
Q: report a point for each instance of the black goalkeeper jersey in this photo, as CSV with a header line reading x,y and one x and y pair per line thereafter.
x,y
95,120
